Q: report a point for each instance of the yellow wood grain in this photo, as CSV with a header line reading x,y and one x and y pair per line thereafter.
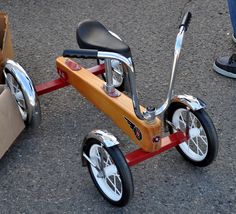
x,y
118,108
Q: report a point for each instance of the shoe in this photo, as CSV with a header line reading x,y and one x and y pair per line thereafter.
x,y
226,66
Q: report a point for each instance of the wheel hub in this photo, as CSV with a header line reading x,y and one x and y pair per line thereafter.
x,y
194,132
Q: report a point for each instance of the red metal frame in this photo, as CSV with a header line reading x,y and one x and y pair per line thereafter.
x,y
136,156
168,142
97,70
48,87
56,84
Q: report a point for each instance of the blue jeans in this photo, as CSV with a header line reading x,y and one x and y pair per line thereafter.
x,y
232,12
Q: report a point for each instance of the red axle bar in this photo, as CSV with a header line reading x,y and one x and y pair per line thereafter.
x,y
53,85
168,142
98,69
48,87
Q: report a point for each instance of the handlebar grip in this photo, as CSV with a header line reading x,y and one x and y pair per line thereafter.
x,y
81,53
186,20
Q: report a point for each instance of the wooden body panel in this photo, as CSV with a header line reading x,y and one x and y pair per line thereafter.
x,y
119,108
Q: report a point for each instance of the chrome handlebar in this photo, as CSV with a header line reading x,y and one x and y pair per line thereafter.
x,y
130,69
178,45
148,115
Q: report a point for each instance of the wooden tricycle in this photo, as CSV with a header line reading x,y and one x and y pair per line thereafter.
x,y
191,130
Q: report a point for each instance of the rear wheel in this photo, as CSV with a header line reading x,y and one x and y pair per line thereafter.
x,y
23,90
119,75
110,172
202,146
17,92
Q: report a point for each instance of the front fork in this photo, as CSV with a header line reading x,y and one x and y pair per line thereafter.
x,y
100,167
169,123
187,122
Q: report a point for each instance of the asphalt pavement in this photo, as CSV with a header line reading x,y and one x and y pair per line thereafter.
x,y
42,172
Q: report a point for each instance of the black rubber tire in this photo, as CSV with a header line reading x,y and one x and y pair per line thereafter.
x,y
209,129
123,170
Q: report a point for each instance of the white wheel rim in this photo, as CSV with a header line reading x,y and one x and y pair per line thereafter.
x,y
197,146
111,183
18,94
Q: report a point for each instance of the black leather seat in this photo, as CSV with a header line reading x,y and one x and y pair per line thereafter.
x,y
91,34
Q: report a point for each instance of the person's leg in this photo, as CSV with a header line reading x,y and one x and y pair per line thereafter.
x,y
232,12
227,65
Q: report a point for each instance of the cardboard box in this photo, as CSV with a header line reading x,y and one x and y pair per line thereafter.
x,y
11,123
6,50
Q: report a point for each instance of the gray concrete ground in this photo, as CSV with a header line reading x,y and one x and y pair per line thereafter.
x,y
42,171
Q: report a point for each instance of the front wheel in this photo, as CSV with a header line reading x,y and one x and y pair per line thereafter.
x,y
202,147
110,172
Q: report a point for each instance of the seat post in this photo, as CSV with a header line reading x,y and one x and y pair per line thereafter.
x,y
109,87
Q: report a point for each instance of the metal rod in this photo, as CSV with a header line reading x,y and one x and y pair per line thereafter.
x,y
130,70
134,96
132,82
89,160
109,82
187,121
178,45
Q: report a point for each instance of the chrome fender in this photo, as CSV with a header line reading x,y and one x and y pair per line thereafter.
x,y
28,89
103,136
191,102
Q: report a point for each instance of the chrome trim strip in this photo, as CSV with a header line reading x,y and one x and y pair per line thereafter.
x,y
115,35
